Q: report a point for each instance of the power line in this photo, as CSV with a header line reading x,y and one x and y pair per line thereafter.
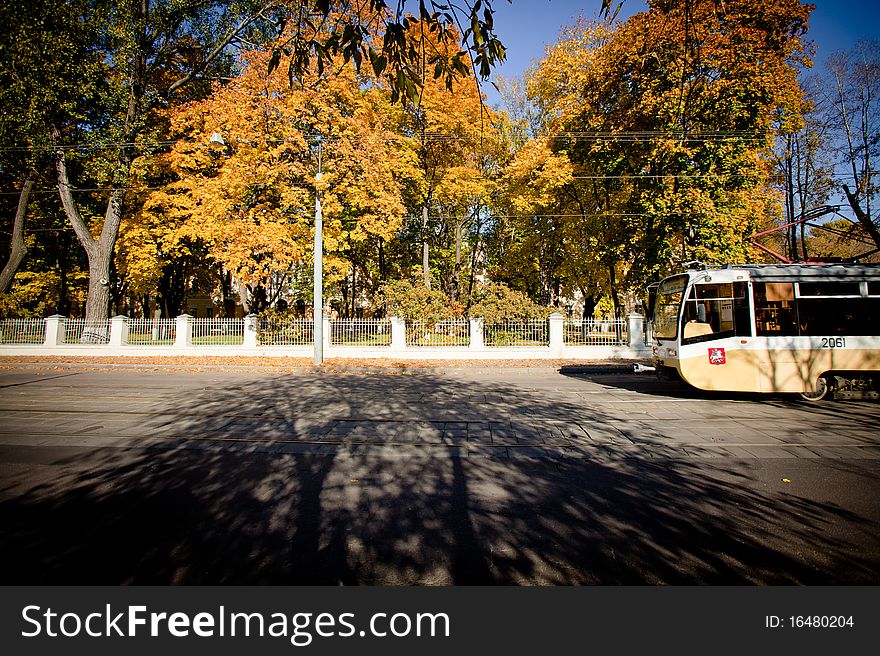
x,y
623,136
83,189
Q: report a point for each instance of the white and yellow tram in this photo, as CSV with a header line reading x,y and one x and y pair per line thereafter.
x,y
803,328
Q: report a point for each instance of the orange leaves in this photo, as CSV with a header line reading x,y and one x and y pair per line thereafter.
x,y
245,163
536,175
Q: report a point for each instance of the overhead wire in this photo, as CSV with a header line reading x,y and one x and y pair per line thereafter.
x,y
623,136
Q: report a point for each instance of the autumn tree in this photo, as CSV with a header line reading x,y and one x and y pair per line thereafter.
x,y
667,120
841,239
156,52
248,196
454,135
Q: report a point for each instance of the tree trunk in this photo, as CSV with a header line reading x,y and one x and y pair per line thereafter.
x,y
145,306
456,273
98,300
426,270
862,216
99,251
18,249
615,299
383,273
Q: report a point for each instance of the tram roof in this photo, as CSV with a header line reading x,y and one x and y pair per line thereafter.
x,y
788,272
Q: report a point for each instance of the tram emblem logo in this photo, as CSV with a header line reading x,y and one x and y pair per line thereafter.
x,y
717,356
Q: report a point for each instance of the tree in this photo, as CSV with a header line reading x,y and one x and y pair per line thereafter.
x,y
44,74
841,240
855,99
805,174
496,302
667,120
249,200
416,302
454,135
391,41
17,247
157,51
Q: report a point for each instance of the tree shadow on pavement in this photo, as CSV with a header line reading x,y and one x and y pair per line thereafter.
x,y
379,480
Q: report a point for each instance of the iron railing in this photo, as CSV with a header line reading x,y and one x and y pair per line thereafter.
x,y
273,331
151,332
439,333
596,332
360,332
532,332
217,332
80,331
22,331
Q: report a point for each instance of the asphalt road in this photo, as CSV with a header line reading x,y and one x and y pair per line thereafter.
x,y
464,476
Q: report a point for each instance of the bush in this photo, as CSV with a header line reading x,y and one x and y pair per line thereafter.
x,y
496,302
416,302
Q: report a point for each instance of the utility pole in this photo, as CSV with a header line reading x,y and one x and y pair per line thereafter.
x,y
318,296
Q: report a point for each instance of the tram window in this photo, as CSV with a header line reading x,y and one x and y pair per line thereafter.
x,y
825,289
820,317
873,288
715,311
775,313
667,307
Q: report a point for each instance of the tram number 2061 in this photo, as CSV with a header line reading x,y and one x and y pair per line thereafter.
x,y
833,342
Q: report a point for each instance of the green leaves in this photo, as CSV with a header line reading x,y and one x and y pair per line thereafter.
x,y
392,42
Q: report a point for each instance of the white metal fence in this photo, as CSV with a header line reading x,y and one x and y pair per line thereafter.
x,y
596,332
217,332
440,333
360,332
533,332
151,332
555,333
273,331
22,331
80,331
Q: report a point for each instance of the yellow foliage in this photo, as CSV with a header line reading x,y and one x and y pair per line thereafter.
x,y
251,200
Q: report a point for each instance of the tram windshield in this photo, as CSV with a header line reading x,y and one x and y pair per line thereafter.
x,y
667,306
714,311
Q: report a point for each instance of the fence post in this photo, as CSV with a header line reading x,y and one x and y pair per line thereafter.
x,y
475,325
119,331
183,332
326,332
398,334
55,330
251,324
636,330
556,338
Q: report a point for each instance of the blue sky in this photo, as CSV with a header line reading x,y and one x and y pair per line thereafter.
x,y
527,26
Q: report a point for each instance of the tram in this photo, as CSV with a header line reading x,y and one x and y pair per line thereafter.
x,y
812,329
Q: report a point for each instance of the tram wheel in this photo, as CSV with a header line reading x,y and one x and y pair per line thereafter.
x,y
823,387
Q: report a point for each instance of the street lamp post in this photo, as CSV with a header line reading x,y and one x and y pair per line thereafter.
x,y
318,296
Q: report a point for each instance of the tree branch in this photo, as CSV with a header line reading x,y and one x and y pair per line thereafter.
x,y
862,216
68,203
217,50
